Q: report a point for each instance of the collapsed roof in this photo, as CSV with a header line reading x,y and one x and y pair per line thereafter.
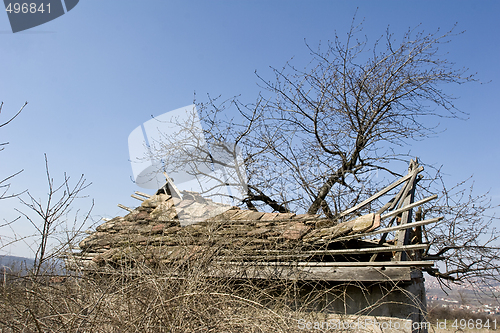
x,y
172,227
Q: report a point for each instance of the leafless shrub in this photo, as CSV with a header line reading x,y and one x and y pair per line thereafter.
x,y
4,185
148,294
5,182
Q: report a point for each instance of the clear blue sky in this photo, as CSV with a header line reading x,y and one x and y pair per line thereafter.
x,y
97,72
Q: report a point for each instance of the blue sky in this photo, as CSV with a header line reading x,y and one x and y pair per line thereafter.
x,y
96,73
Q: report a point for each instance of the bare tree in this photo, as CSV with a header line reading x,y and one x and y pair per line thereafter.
x,y
4,183
314,139
325,129
51,214
51,217
467,242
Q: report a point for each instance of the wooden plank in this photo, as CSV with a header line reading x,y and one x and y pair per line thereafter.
x,y
403,236
386,206
417,239
404,190
367,274
395,228
137,197
313,273
332,264
268,216
395,248
380,193
125,207
405,208
409,188
397,200
143,194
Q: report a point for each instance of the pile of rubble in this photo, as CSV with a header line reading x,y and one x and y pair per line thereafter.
x,y
173,226
152,233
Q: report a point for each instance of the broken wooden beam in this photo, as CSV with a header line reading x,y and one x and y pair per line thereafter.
x,y
394,248
125,207
381,231
408,207
381,192
313,273
329,264
138,197
147,196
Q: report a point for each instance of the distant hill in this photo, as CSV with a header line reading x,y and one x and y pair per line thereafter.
x,y
15,261
22,263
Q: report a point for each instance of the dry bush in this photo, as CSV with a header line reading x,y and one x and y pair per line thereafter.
x,y
179,297
139,300
142,289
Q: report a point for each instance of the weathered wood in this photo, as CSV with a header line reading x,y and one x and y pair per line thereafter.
x,y
380,193
386,206
395,248
137,197
302,273
395,228
418,233
397,199
125,207
403,190
403,236
394,204
410,186
408,207
333,264
359,224
143,194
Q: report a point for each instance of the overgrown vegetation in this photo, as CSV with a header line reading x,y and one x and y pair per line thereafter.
x,y
177,298
312,146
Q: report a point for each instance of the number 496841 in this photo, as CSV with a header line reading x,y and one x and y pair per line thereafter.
x,y
26,8
474,324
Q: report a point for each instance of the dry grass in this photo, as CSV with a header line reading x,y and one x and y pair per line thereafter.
x,y
167,299
179,297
